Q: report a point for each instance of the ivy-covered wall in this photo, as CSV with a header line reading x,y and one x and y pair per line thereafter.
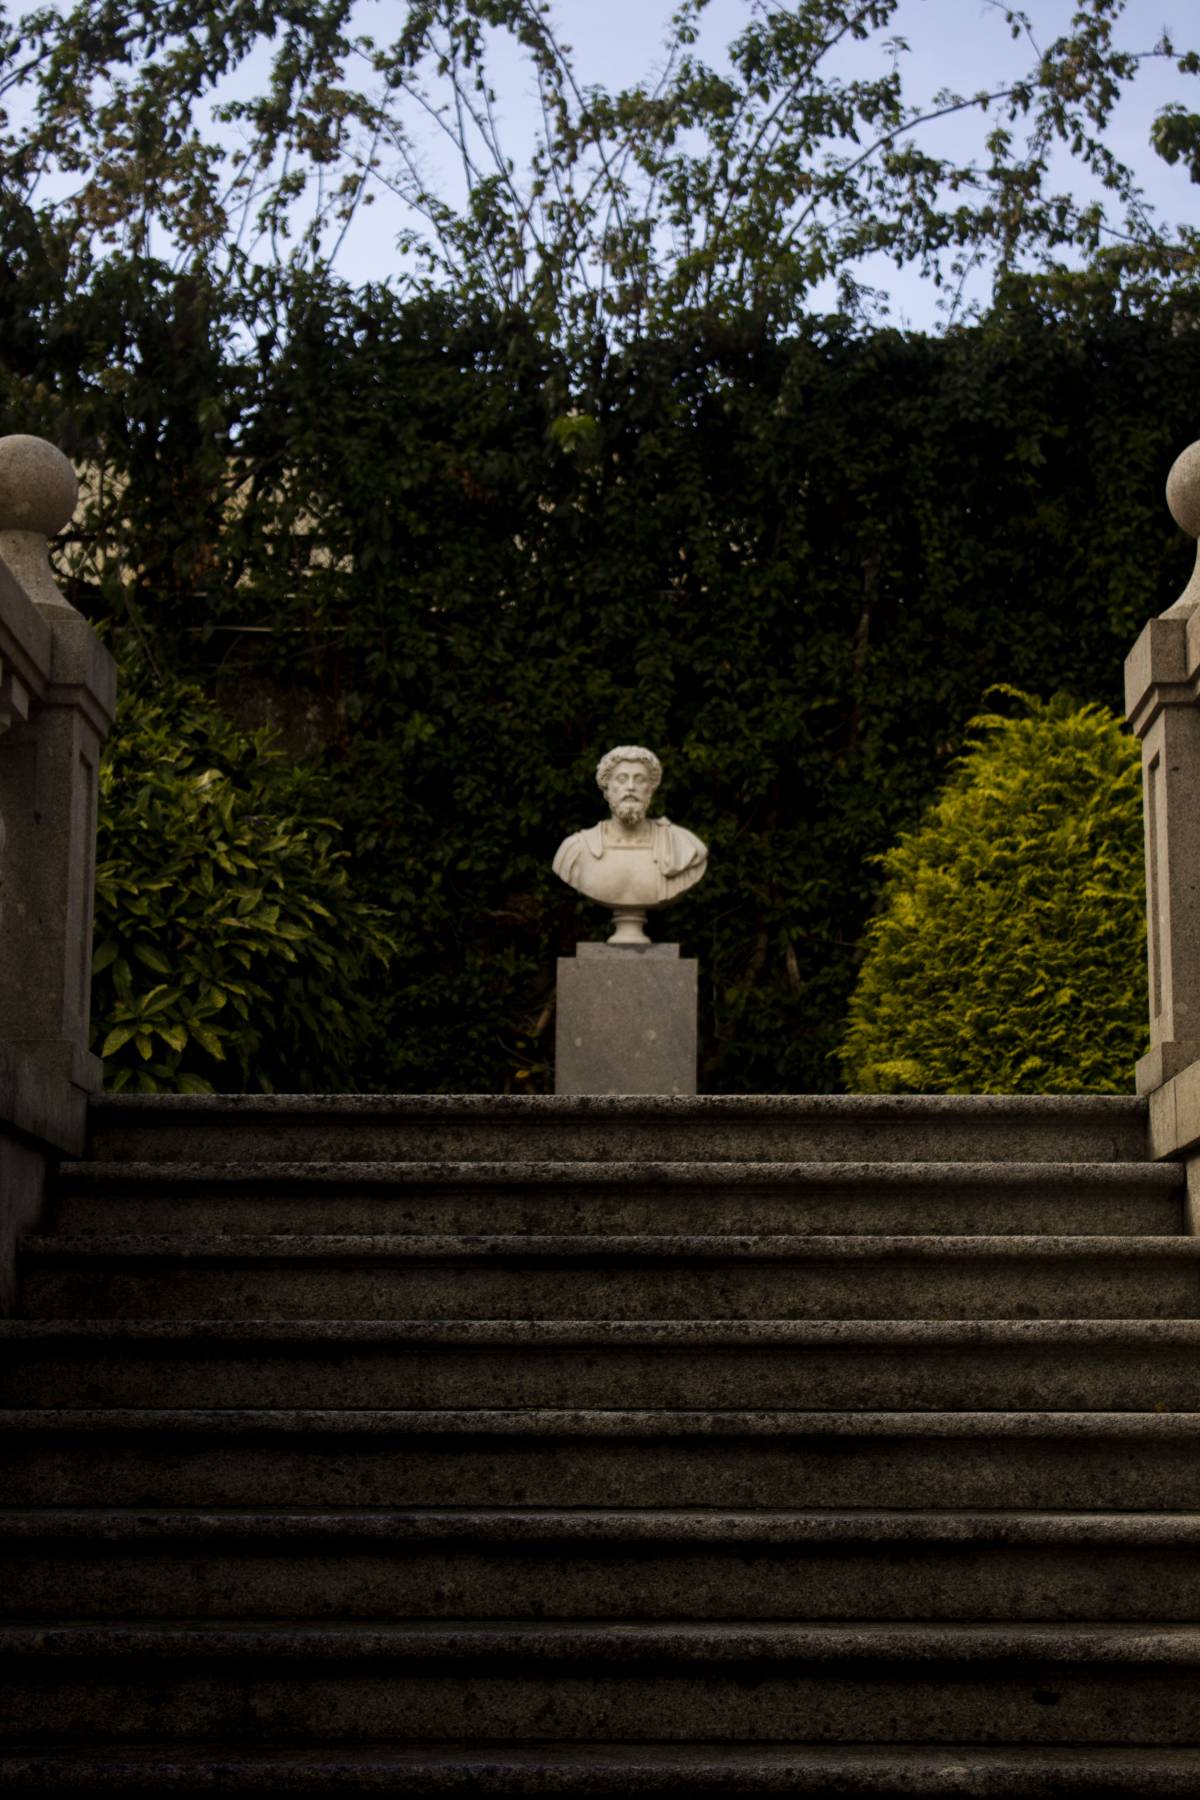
x,y
792,568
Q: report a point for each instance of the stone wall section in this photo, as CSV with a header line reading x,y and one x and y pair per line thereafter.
x,y
57,700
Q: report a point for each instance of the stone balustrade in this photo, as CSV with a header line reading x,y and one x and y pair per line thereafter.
x,y
1162,700
57,699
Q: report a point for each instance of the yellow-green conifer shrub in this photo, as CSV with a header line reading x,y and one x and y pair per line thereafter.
x,y
1009,954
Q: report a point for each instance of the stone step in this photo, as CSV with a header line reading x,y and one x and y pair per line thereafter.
x,y
1104,1198
191,1457
747,1128
831,1365
177,1275
818,1444
703,1770
743,1681
644,1565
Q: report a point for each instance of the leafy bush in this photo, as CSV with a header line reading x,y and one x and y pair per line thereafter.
x,y
1009,955
789,565
230,953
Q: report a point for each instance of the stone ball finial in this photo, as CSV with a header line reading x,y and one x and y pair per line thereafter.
x,y
38,489
1183,490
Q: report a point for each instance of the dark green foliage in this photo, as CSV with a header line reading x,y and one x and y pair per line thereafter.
x,y
598,474
1009,954
792,567
230,952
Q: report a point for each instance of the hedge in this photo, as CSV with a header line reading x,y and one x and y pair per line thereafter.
x,y
1009,953
458,568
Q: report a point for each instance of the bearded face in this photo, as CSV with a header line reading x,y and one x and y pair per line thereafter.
x,y
628,791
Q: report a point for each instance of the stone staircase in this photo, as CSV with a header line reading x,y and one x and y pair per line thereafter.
x,y
783,1445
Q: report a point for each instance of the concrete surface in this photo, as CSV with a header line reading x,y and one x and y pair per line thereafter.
x,y
625,1022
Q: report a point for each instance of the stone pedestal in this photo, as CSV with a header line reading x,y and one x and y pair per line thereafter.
x,y
626,1021
1162,680
1162,703
49,772
57,698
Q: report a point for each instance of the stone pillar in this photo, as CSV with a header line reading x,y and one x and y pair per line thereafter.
x,y
1162,691
57,698
60,704
626,1020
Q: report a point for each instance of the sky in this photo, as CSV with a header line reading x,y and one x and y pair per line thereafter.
x,y
959,44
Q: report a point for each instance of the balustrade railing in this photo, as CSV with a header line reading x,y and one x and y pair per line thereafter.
x,y
1162,701
57,698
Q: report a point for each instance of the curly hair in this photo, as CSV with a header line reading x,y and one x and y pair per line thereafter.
x,y
627,753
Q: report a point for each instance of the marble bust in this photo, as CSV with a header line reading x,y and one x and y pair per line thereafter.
x,y
630,861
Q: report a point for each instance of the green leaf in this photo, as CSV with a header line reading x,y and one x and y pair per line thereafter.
x,y
192,1084
208,1040
158,999
152,957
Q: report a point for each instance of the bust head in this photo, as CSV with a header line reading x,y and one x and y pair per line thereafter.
x,y
628,777
629,862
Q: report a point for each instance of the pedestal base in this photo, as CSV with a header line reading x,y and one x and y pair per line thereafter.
x,y
1162,1063
626,1021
